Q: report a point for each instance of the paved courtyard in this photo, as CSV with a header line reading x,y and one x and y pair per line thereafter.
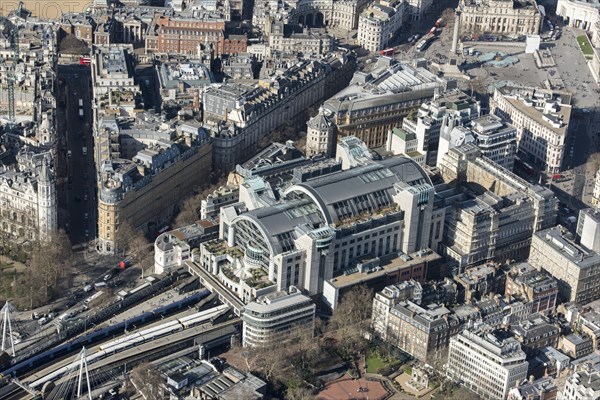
x,y
348,388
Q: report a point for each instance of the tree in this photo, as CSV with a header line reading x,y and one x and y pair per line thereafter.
x,y
351,319
299,393
437,360
147,380
448,16
191,205
132,242
457,392
50,262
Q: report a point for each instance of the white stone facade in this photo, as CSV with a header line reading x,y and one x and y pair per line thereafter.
x,y
320,135
486,364
541,119
377,25
28,204
500,17
271,317
579,14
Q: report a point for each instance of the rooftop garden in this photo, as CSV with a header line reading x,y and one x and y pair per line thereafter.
x,y
229,273
258,279
219,247
126,96
365,216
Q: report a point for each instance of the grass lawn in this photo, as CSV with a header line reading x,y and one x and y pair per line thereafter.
x,y
374,362
585,45
6,265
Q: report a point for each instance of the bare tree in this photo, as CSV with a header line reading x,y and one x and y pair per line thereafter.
x,y
49,263
148,380
437,360
448,15
352,317
457,392
132,242
190,206
299,393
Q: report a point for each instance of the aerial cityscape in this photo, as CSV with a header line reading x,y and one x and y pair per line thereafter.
x,y
300,199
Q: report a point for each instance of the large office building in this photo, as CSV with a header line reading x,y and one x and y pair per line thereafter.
x,y
588,228
115,89
292,39
582,14
378,24
178,35
181,84
421,331
582,385
541,118
271,317
537,289
424,330
239,116
576,268
145,167
375,102
321,227
487,362
496,139
447,110
499,17
28,200
490,212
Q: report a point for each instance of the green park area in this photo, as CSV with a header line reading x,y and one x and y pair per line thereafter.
x,y
377,363
585,45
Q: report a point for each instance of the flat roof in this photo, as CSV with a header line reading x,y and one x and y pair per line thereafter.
x,y
391,265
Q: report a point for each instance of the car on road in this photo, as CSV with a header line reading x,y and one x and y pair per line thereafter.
x,y
70,303
85,215
87,233
108,277
85,197
88,288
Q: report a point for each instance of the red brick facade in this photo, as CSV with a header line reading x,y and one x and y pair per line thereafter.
x,y
182,36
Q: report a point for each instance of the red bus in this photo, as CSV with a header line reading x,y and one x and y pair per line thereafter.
x,y
85,60
387,52
432,31
439,22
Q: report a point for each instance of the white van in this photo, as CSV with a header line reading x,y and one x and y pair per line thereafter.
x,y
66,315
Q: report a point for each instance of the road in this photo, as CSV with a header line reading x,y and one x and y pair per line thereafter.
x,y
80,202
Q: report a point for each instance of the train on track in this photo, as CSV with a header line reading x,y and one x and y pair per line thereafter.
x,y
139,337
56,353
